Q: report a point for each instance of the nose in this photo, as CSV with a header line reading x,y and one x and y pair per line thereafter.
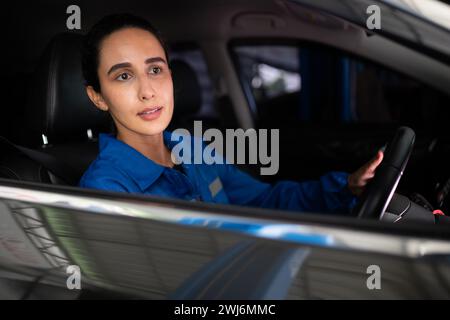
x,y
146,90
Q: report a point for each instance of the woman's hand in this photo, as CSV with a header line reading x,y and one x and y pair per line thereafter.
x,y
358,179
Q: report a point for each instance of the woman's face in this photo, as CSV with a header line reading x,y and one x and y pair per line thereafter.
x,y
135,81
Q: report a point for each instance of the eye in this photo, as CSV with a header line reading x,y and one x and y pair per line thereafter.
x,y
155,70
123,77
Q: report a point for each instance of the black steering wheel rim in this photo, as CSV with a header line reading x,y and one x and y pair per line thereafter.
x,y
378,193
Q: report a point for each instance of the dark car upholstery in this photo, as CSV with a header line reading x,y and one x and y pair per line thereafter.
x,y
58,108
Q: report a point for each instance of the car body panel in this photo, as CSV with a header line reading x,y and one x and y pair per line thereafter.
x,y
136,248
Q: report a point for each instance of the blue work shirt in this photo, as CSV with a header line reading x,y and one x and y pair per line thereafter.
x,y
119,167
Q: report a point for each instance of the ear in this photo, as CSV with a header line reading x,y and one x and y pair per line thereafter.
x,y
96,98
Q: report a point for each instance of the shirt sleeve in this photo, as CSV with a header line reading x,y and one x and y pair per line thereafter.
x,y
328,194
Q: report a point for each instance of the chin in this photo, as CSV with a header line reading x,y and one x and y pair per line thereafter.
x,y
154,128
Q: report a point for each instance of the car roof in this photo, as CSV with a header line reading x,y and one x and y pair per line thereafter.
x,y
206,22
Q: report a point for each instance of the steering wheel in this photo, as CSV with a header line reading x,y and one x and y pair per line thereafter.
x,y
378,193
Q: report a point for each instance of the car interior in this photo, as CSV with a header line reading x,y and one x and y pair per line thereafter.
x,y
336,93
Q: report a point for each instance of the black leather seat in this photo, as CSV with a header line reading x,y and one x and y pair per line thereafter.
x,y
57,117
59,110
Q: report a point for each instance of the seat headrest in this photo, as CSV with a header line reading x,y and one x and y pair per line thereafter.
x,y
187,90
58,105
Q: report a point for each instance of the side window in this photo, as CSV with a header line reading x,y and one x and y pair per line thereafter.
x,y
288,84
268,73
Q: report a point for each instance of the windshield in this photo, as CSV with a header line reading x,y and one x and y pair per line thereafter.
x,y
431,10
423,25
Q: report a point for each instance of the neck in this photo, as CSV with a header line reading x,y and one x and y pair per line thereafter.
x,y
152,147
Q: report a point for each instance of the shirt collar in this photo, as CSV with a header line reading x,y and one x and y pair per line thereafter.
x,y
141,169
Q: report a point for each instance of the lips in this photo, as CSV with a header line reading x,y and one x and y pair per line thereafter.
x,y
149,114
148,111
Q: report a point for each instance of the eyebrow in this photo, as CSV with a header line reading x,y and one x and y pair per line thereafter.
x,y
127,64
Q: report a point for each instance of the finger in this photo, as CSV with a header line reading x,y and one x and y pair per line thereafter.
x,y
368,176
370,163
378,157
364,179
375,162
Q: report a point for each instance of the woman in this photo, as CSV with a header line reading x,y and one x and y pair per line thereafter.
x,y
125,65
